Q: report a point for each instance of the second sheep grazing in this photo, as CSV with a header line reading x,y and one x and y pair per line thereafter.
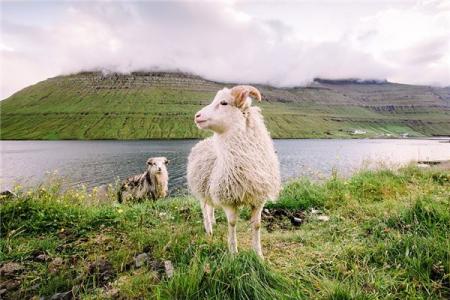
x,y
237,166
152,184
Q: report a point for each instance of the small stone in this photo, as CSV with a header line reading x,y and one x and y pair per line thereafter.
x,y
323,218
10,285
296,221
423,165
266,211
42,257
314,211
62,296
157,266
10,269
168,268
112,293
7,194
140,260
55,265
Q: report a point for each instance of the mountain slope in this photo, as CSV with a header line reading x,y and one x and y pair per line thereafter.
x,y
141,105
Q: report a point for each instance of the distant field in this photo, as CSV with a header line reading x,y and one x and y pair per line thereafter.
x,y
162,105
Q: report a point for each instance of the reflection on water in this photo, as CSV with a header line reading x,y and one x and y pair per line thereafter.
x,y
93,163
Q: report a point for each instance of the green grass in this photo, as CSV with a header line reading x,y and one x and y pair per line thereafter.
x,y
388,237
84,107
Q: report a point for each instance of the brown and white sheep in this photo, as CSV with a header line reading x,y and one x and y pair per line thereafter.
x,y
152,184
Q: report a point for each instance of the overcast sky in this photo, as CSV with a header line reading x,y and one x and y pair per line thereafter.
x,y
283,43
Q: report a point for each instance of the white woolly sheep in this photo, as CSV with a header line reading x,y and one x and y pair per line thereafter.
x,y
151,184
237,166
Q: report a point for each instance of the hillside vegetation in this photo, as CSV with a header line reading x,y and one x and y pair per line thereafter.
x,y
387,237
161,105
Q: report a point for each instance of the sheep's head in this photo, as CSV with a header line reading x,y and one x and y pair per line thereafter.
x,y
227,109
157,165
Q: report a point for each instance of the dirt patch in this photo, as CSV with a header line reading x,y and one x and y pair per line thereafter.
x,y
10,281
102,270
280,218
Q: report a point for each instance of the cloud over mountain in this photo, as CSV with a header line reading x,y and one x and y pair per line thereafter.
x,y
222,41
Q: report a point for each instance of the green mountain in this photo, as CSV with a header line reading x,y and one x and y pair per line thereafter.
x,y
145,105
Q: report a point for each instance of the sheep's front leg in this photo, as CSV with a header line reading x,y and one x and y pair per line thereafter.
x,y
256,230
206,216
231,213
212,218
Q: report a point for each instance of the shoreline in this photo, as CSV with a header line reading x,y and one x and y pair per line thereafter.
x,y
198,139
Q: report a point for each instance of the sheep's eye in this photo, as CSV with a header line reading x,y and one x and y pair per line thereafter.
x,y
166,162
224,103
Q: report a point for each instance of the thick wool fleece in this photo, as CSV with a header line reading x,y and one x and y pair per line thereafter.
x,y
238,167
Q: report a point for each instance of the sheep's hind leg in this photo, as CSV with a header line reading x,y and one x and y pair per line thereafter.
x,y
206,217
231,213
256,230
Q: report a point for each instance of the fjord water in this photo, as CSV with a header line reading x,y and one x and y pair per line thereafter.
x,y
94,163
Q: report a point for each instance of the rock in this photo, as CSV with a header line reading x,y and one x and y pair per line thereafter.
x,y
323,218
163,268
296,221
7,194
55,265
42,257
168,268
141,260
314,211
423,166
10,269
112,293
62,296
9,285
266,211
157,266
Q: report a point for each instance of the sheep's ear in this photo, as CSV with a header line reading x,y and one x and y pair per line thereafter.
x,y
241,92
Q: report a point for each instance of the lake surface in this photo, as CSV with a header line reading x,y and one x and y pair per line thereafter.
x,y
94,163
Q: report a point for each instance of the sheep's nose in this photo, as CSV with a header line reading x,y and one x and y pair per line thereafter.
x,y
197,115
159,169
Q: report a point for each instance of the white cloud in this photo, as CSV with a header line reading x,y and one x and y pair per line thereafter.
x,y
222,42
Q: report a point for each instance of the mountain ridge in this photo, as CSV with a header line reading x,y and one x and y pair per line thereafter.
x,y
141,105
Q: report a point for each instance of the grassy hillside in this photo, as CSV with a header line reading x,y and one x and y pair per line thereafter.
x,y
162,105
387,237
